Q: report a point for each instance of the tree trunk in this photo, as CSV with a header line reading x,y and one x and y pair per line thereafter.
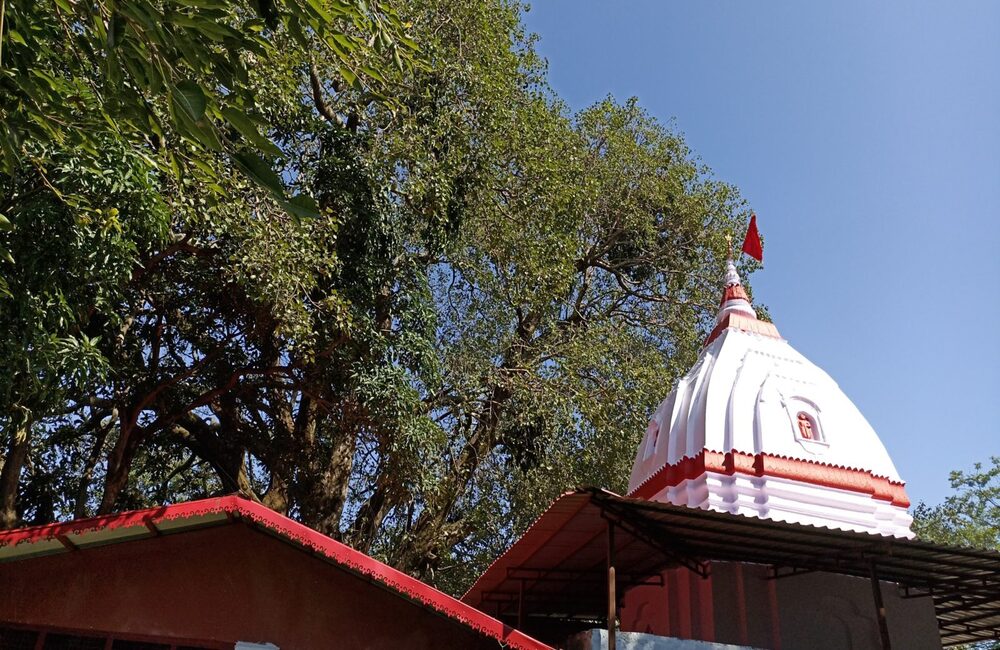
x,y
276,497
436,528
80,505
119,466
17,452
370,515
322,501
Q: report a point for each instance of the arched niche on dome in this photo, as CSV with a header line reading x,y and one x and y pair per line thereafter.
x,y
806,423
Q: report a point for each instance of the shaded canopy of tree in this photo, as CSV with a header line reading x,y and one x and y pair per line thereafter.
x,y
493,296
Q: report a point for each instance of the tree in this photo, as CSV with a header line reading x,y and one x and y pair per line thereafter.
x,y
164,85
493,298
971,517
64,295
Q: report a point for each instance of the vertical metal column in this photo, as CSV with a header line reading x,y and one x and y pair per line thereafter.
x,y
883,623
612,597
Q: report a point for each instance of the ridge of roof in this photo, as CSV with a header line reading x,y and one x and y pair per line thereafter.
x,y
753,520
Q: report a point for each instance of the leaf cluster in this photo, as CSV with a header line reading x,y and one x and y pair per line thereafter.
x,y
971,516
172,78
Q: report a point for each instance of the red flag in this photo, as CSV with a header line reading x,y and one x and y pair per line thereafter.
x,y
751,243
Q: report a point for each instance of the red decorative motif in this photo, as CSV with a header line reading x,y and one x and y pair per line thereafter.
x,y
736,462
238,508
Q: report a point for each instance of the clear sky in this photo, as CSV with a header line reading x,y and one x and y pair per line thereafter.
x,y
866,136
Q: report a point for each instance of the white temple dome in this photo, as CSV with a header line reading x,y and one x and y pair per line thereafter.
x,y
755,428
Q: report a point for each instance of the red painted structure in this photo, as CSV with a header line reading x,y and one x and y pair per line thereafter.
x,y
697,574
206,574
213,572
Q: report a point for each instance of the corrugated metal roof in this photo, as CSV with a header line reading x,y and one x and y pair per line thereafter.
x,y
567,547
19,544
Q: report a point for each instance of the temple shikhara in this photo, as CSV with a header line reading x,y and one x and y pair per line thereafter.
x,y
755,428
762,511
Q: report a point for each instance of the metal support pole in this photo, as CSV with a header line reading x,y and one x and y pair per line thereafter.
x,y
883,624
612,597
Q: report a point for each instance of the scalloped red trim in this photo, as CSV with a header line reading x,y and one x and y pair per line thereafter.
x,y
293,531
737,462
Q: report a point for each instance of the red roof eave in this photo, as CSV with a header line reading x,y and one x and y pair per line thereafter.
x,y
293,531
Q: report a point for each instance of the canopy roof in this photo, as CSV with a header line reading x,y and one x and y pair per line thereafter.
x,y
23,543
566,549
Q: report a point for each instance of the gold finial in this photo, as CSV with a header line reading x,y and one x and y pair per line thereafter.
x,y
729,243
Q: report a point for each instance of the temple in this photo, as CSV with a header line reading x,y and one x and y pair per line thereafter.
x,y
762,511
755,428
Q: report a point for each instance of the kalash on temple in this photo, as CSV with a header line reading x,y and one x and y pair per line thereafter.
x,y
762,512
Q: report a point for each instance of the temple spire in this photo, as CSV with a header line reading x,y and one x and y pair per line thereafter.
x,y
735,309
755,429
732,276
734,296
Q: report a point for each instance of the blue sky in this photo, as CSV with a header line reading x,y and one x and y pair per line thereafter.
x,y
866,136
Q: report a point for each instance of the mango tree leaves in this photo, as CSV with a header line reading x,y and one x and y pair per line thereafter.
x,y
189,96
259,171
242,123
170,77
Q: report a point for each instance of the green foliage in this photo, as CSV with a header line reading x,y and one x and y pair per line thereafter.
x,y
172,78
73,265
491,297
971,516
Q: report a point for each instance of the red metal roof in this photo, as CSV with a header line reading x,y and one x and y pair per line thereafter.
x,y
558,566
126,526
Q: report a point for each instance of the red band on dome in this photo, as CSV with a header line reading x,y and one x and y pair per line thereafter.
x,y
763,465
